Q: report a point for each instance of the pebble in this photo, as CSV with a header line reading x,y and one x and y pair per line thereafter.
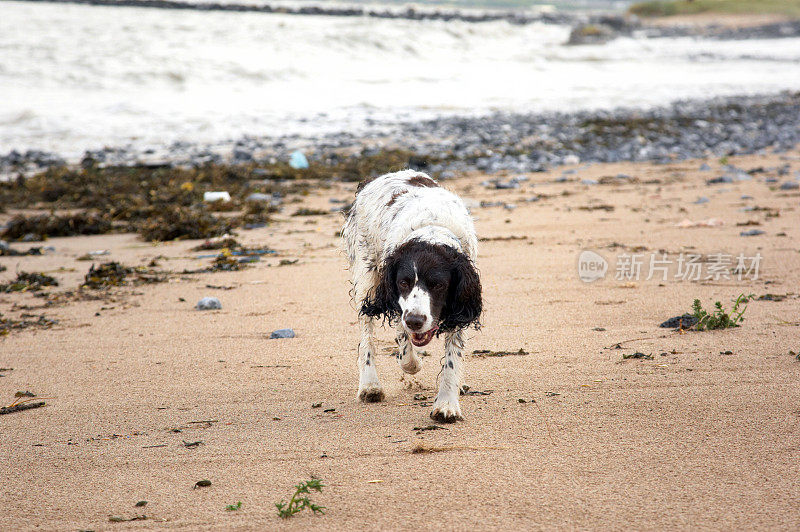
x,y
752,232
208,303
282,333
701,200
790,185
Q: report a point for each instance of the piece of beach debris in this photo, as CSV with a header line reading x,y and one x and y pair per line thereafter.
x,y
752,232
490,353
209,303
192,444
790,185
202,484
282,333
420,397
637,355
211,197
477,392
710,222
117,519
701,200
288,262
421,447
19,407
766,297
684,321
430,427
298,160
140,504
219,287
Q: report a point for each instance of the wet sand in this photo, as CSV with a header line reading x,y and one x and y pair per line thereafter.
x,y
693,438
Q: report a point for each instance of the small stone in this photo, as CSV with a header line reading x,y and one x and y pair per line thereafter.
x,y
701,200
140,504
208,303
282,333
752,232
705,167
202,484
790,185
589,181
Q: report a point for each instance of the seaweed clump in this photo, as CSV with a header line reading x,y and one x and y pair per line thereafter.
x,y
106,275
28,282
112,274
26,321
182,223
40,227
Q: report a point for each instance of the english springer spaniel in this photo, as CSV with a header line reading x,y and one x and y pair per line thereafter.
x,y
412,250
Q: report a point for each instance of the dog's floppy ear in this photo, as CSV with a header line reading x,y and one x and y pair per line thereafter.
x,y
464,303
384,301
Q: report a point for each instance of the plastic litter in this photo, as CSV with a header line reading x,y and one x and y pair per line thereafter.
x,y
217,196
297,160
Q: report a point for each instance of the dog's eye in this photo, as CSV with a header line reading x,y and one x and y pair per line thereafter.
x,y
403,284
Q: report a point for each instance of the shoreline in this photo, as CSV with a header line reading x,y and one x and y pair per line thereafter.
x,y
501,141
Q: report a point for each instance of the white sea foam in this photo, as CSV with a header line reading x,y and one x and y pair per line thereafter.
x,y
80,77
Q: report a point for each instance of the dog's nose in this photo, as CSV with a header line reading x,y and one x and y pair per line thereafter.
x,y
415,321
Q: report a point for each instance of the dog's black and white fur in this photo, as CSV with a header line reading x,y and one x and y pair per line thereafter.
x,y
412,248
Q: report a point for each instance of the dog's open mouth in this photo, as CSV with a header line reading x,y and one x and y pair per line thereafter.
x,y
423,339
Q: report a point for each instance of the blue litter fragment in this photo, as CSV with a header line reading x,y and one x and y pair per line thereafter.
x,y
282,333
297,160
752,232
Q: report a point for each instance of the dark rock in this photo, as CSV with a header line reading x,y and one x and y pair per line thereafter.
x,y
684,321
282,333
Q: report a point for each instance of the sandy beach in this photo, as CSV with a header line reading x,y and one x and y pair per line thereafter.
x,y
701,433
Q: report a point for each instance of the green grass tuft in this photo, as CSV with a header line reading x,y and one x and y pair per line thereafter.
x,y
691,7
719,318
300,500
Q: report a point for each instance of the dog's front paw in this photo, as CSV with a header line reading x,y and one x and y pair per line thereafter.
x,y
370,393
411,366
446,412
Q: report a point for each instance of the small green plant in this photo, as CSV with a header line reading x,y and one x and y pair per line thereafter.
x,y
719,318
300,500
233,507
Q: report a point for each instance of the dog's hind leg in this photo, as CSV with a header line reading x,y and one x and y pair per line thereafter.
x,y
446,408
406,357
